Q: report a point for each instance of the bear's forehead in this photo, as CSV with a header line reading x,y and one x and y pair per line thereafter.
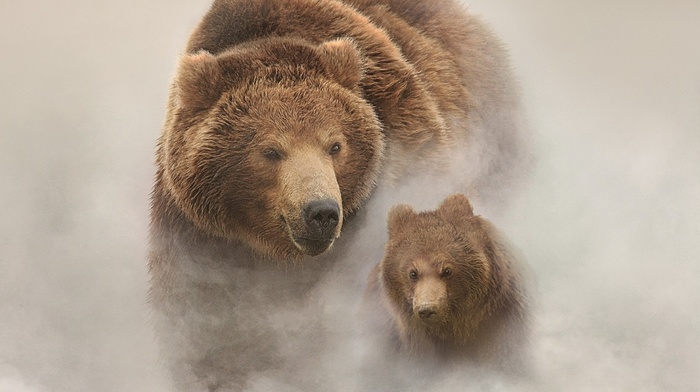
x,y
435,259
429,248
428,230
432,260
309,100
283,108
432,240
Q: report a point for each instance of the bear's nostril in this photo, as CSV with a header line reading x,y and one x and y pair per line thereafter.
x,y
322,217
426,312
326,218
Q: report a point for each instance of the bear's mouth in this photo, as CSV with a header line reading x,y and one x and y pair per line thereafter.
x,y
306,244
312,247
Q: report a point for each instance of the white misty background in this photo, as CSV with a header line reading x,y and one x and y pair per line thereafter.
x,y
609,221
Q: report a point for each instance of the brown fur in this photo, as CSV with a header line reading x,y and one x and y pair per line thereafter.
x,y
455,268
280,104
212,160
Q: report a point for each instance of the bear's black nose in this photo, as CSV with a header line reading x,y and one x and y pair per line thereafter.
x,y
321,218
426,311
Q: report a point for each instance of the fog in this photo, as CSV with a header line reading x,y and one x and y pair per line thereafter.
x,y
608,221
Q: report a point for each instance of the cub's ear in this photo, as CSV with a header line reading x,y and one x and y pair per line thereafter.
x,y
198,81
399,215
342,61
456,207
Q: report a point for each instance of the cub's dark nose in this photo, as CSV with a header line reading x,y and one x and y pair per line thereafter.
x,y
426,311
321,218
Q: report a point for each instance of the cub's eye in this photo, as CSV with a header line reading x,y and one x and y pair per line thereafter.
x,y
447,272
413,275
334,149
272,154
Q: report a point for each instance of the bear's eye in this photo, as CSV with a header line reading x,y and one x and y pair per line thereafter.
x,y
272,154
447,272
334,149
413,275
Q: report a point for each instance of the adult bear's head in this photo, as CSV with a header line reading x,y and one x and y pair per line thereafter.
x,y
271,143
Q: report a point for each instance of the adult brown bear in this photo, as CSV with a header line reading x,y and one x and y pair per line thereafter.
x,y
283,117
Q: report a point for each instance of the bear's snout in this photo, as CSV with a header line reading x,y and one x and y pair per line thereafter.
x,y
317,227
430,299
426,311
321,217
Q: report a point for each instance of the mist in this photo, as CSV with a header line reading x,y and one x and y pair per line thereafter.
x,y
608,219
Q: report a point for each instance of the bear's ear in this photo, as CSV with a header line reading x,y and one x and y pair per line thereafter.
x,y
398,216
342,61
198,81
456,207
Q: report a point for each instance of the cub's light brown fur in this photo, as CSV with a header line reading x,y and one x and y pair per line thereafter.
x,y
452,286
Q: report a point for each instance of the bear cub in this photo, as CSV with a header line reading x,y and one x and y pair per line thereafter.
x,y
451,287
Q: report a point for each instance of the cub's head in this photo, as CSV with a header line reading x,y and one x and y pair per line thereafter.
x,y
435,267
271,143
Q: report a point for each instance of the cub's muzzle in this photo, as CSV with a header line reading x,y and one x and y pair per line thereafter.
x,y
426,311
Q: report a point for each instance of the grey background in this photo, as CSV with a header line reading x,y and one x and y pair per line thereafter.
x,y
610,221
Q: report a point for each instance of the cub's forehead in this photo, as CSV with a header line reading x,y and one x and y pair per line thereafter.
x,y
422,257
427,240
423,227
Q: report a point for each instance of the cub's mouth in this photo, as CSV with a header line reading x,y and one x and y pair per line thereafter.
x,y
429,314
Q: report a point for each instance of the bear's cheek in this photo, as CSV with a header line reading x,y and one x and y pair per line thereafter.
x,y
356,171
250,191
468,284
398,289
